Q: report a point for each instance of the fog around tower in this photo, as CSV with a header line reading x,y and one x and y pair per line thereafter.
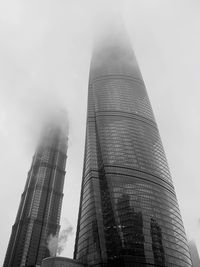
x,y
57,243
45,52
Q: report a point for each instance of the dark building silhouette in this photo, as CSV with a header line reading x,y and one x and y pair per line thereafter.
x,y
39,211
126,180
131,229
157,244
194,254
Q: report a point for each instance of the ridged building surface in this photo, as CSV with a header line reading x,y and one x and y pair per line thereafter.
x,y
39,211
129,215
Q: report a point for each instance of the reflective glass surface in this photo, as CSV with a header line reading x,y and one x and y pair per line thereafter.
x,y
129,215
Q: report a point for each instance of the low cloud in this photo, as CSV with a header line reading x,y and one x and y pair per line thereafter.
x,y
52,244
57,243
63,237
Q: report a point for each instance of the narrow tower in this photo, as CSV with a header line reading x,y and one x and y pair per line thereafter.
x,y
39,211
194,254
128,215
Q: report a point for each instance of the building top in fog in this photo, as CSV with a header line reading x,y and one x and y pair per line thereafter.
x,y
129,215
39,211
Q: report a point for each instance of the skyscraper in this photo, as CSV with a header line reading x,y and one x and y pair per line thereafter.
x,y
128,215
39,211
194,254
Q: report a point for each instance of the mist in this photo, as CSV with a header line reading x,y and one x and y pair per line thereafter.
x,y
45,53
57,243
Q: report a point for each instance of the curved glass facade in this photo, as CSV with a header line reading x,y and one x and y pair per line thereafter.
x,y
129,215
38,215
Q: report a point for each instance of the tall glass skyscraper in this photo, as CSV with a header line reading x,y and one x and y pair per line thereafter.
x,y
39,211
129,215
194,254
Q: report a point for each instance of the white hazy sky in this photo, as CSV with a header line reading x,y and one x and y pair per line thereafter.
x,y
45,52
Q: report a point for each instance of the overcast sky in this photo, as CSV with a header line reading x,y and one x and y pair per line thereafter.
x,y
45,52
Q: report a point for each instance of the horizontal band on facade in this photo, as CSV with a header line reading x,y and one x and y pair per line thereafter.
x,y
140,171
135,176
35,221
118,77
136,172
43,188
123,114
41,163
